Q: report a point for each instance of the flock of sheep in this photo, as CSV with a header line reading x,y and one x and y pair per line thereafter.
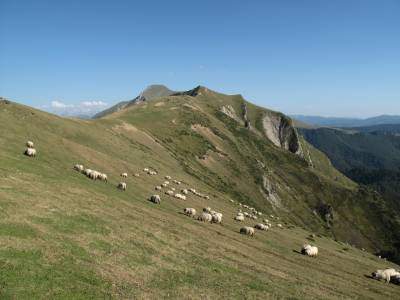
x,y
209,215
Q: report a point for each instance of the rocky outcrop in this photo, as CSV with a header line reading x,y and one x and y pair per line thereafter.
x,y
245,117
280,131
230,112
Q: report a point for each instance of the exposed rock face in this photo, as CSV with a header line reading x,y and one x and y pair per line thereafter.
x,y
245,117
270,193
230,112
279,130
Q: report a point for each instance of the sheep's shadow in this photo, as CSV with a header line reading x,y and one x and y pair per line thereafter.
x,y
368,276
296,251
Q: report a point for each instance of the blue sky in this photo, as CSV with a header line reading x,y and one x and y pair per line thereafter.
x,y
331,58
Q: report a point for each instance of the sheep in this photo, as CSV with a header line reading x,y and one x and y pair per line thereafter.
x,y
166,182
136,175
94,175
384,274
239,218
206,197
253,217
172,189
246,214
240,214
146,170
122,186
171,193
158,188
155,199
191,212
309,250
168,177
103,177
259,213
184,191
266,221
87,172
176,182
78,168
205,217
207,209
124,175
29,144
164,185
395,279
261,226
216,218
247,230
152,172
180,196
192,190
279,225
31,152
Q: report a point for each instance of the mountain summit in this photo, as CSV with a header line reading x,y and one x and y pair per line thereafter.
x,y
151,92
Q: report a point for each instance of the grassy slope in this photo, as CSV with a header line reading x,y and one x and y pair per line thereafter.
x,y
64,236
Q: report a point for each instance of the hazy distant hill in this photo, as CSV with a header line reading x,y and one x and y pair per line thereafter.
x,y
347,122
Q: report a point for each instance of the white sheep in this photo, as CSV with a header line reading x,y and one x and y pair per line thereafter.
x,y
103,177
155,199
279,225
239,218
207,209
31,152
216,218
205,217
184,191
146,170
166,182
78,168
164,185
94,175
180,196
309,250
29,144
171,193
87,172
158,188
137,175
168,177
385,274
192,190
122,186
261,226
247,230
191,212
124,175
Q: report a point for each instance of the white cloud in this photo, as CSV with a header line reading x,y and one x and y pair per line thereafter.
x,y
93,103
87,108
59,104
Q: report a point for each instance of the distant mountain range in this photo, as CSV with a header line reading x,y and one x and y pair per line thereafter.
x,y
347,122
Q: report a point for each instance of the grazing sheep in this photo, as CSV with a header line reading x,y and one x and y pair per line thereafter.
x,y
122,186
206,197
259,213
180,196
31,152
261,226
166,182
184,191
158,188
247,230
155,199
192,190
124,175
191,212
384,274
239,218
279,225
216,218
152,173
205,217
146,170
266,221
253,217
246,214
309,250
94,175
395,279
168,177
78,168
173,189
87,172
29,144
136,175
171,193
176,181
103,177
207,209
164,185
240,214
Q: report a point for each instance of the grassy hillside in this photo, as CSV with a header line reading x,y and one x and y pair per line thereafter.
x,y
65,236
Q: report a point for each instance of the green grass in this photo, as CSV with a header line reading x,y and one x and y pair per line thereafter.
x,y
64,236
